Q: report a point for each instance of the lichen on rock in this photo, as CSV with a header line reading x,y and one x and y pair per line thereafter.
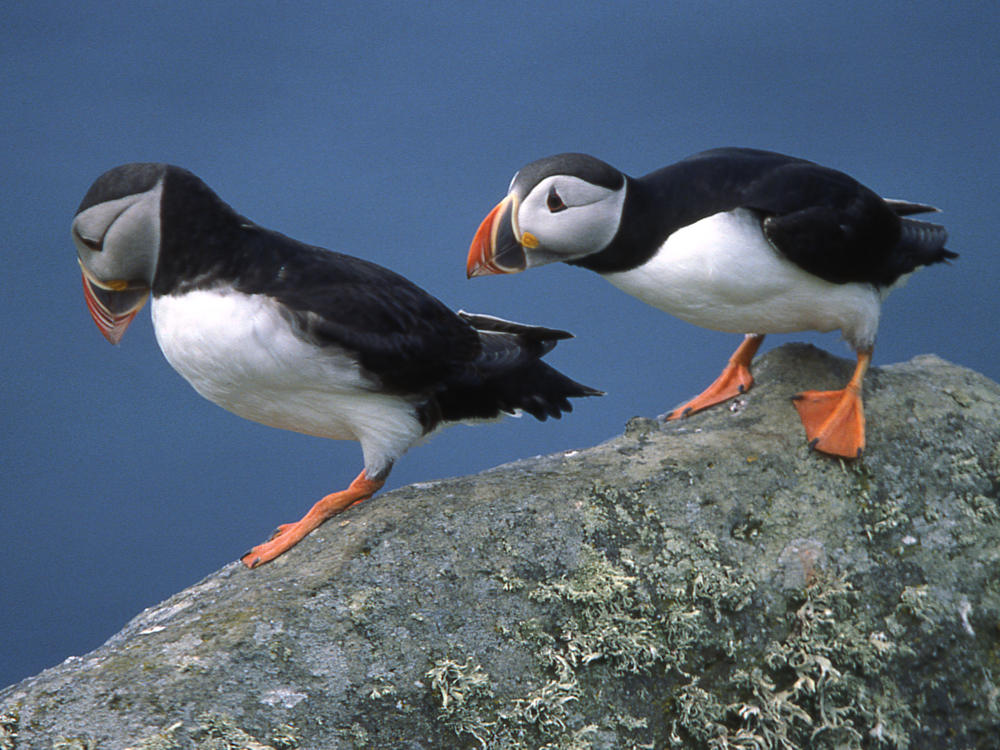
x,y
705,583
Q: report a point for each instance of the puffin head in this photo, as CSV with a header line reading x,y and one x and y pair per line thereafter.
x,y
116,231
559,208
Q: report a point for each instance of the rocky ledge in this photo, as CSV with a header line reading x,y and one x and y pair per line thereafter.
x,y
704,583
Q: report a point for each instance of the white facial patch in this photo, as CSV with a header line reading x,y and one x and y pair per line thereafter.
x,y
586,225
126,233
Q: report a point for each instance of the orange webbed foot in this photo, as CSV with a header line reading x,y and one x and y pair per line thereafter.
x,y
734,380
288,535
835,420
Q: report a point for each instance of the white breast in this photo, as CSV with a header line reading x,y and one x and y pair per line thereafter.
x,y
238,351
722,273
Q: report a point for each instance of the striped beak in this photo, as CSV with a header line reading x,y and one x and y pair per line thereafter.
x,y
496,248
113,304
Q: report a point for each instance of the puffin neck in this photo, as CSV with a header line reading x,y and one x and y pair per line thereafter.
x,y
198,231
640,233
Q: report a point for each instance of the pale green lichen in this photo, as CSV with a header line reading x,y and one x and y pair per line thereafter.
x,y
668,610
9,721
163,740
838,694
222,733
546,708
606,615
466,703
359,736
920,604
74,743
458,685
537,719
510,582
579,739
464,696
882,513
820,686
381,688
215,731
611,617
285,737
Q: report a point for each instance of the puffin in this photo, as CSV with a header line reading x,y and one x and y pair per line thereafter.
x,y
732,239
299,337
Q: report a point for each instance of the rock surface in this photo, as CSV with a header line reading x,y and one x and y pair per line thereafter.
x,y
704,583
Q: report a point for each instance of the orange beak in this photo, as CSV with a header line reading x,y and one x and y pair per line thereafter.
x,y
496,247
113,309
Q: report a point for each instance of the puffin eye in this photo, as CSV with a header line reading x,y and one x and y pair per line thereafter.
x,y
554,202
87,242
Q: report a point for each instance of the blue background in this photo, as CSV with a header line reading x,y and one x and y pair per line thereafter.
x,y
388,130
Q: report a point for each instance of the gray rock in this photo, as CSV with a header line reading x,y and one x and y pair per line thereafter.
x,y
704,583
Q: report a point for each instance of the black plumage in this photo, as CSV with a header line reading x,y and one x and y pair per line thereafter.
x,y
733,239
299,337
466,367
821,219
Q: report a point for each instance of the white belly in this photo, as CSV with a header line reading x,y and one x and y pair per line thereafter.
x,y
239,352
722,273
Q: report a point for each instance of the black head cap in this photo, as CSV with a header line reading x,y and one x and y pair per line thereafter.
x,y
119,182
583,166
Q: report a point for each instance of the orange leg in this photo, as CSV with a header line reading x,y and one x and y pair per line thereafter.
x,y
734,380
835,420
290,534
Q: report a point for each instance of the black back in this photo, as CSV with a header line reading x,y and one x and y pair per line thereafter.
x,y
584,166
405,338
128,179
821,219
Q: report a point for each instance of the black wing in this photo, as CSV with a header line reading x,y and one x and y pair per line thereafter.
x,y
467,366
509,375
829,224
400,333
826,222
821,219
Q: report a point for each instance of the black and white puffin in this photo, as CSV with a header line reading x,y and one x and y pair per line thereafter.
x,y
732,239
296,336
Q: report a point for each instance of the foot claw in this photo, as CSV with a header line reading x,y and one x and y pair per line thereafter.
x,y
679,413
735,380
834,421
287,535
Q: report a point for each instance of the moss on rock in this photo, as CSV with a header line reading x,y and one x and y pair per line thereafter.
x,y
707,583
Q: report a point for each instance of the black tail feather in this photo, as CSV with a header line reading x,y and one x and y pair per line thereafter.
x,y
509,375
923,243
908,208
499,325
534,388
